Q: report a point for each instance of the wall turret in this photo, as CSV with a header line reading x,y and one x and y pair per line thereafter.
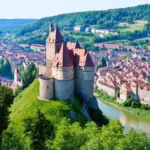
x,y
84,75
46,90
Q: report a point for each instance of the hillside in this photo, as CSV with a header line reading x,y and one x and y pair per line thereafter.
x,y
103,19
14,24
50,128
26,105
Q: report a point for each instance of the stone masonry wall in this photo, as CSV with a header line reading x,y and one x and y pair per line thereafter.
x,y
46,90
64,89
46,71
65,73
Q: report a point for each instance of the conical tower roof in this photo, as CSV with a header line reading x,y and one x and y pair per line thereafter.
x,y
58,36
78,45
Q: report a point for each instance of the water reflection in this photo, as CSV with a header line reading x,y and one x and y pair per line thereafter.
x,y
127,119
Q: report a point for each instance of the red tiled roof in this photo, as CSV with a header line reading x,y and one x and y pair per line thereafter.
x,y
71,45
64,58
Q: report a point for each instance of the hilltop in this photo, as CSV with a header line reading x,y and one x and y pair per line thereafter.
x,y
127,25
104,19
27,103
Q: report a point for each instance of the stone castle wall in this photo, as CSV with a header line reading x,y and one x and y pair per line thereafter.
x,y
64,89
46,90
65,73
84,89
84,84
44,70
86,73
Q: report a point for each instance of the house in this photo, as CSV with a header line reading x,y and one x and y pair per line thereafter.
x,y
79,28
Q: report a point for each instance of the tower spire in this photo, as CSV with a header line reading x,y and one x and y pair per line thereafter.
x,y
51,27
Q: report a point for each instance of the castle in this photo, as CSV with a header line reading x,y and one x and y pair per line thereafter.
x,y
69,69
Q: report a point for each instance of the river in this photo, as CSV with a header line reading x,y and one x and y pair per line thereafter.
x,y
127,119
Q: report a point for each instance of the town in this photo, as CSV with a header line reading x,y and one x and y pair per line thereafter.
x,y
122,63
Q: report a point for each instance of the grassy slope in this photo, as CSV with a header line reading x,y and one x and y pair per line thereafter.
x,y
137,25
27,103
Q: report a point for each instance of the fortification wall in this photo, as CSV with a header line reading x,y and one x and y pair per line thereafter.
x,y
65,73
44,70
84,82
46,90
85,73
64,89
110,91
84,89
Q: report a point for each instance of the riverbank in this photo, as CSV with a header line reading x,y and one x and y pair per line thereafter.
x,y
113,102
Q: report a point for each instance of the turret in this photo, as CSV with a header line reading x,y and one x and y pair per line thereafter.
x,y
46,89
84,75
51,28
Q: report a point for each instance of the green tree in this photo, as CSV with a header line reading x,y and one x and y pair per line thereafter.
x,y
148,27
68,136
39,129
111,134
5,68
13,140
134,141
29,75
143,59
6,99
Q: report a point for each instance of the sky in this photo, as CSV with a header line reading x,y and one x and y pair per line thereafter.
x,y
11,9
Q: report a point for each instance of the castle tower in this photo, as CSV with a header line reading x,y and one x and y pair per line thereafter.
x,y
46,89
16,75
53,44
63,72
84,75
17,81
